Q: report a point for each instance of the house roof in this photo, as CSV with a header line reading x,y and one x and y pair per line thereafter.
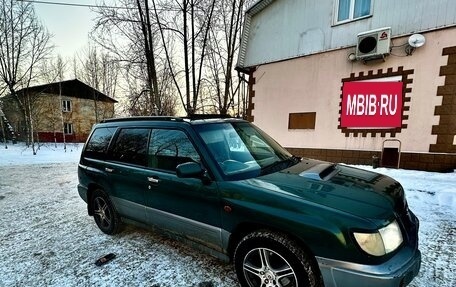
x,y
70,88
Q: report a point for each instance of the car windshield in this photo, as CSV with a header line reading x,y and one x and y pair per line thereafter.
x,y
242,151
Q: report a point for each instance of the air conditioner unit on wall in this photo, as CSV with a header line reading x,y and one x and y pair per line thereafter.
x,y
374,44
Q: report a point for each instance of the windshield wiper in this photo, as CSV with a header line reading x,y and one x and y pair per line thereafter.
x,y
280,164
296,159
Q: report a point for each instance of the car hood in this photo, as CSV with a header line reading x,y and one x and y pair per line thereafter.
x,y
358,192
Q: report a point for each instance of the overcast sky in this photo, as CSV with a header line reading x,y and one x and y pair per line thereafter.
x,y
69,25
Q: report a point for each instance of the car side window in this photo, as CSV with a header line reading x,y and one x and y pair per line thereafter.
x,y
98,144
169,148
131,146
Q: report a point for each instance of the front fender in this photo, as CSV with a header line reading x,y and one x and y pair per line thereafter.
x,y
323,230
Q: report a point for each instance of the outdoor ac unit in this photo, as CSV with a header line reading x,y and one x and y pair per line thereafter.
x,y
373,44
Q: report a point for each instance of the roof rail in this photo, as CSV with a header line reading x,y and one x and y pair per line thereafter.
x,y
143,118
207,116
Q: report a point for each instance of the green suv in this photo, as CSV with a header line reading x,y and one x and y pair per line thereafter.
x,y
227,188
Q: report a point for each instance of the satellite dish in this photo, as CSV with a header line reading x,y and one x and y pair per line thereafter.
x,y
416,40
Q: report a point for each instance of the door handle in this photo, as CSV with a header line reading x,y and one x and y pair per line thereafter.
x,y
152,180
107,169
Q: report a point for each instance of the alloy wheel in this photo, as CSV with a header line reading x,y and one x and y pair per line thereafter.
x,y
102,212
264,267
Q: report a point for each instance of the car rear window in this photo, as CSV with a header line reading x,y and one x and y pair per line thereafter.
x,y
99,142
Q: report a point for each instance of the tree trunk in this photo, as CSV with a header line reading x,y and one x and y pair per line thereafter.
x,y
186,64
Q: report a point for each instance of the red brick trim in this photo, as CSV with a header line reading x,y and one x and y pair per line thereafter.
x,y
405,99
446,129
251,105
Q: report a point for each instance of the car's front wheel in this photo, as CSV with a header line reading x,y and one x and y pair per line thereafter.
x,y
267,259
104,213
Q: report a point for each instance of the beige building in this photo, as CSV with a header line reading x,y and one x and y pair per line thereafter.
x,y
63,109
332,82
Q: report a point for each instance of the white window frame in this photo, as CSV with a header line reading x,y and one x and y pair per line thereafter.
x,y
351,13
68,128
66,106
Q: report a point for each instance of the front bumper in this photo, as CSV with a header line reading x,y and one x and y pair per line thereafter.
x,y
396,272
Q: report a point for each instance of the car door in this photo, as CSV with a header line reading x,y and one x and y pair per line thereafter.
x,y
127,172
187,206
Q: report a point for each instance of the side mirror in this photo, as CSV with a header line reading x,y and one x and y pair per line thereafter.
x,y
190,170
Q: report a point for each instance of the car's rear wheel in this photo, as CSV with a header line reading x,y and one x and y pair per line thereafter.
x,y
267,259
104,213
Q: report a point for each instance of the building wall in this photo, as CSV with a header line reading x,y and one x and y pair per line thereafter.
x,y
48,118
86,113
83,115
46,113
313,84
290,28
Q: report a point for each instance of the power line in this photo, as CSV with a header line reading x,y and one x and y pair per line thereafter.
x,y
92,6
77,4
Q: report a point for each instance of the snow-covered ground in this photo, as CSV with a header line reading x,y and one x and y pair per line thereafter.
x,y
47,239
46,153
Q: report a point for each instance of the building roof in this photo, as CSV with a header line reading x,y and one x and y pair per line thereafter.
x,y
71,88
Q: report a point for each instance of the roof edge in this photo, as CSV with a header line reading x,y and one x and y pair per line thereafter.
x,y
75,80
258,6
254,9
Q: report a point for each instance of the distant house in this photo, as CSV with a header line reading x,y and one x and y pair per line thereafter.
x,y
66,109
352,81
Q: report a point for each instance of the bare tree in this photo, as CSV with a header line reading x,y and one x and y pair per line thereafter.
x,y
130,37
190,44
146,29
223,49
98,69
52,69
135,89
45,112
24,43
188,23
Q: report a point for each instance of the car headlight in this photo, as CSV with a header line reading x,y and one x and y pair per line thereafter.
x,y
384,241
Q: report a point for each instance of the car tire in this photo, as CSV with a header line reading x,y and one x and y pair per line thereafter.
x,y
104,213
265,258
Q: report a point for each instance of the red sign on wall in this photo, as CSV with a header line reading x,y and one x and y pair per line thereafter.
x,y
371,105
